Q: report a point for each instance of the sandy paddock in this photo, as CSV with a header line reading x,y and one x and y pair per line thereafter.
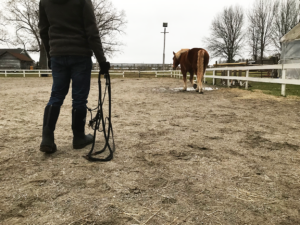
x,y
226,157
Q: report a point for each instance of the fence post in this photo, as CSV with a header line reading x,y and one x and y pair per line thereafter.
x,y
228,82
23,73
155,73
283,86
5,73
39,73
123,74
246,84
214,80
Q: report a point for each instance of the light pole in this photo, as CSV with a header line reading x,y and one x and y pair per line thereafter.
x,y
165,25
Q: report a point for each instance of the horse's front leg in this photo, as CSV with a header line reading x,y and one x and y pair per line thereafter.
x,y
184,80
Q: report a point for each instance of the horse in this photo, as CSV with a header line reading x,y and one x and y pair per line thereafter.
x,y
194,61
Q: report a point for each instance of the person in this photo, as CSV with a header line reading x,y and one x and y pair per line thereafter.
x,y
70,36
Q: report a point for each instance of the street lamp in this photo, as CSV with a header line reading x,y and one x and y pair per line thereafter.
x,y
165,25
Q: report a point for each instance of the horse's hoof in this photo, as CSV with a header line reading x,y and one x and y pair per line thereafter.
x,y
201,92
194,86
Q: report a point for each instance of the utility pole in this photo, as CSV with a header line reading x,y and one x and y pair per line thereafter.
x,y
165,25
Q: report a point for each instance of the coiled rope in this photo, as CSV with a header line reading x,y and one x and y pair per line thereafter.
x,y
99,119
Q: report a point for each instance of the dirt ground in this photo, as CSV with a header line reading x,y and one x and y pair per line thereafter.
x,y
226,157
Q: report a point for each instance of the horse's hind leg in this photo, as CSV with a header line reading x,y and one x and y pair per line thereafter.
x,y
192,80
200,70
200,78
184,80
200,82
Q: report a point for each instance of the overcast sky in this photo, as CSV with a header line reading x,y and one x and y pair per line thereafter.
x,y
188,23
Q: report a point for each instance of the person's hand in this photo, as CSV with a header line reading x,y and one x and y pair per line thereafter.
x,y
104,67
49,64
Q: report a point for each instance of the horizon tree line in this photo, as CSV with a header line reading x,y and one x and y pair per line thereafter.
x,y
257,31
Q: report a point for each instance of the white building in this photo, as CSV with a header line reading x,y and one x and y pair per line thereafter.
x,y
290,51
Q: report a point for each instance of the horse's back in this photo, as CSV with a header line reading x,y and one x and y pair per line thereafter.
x,y
193,54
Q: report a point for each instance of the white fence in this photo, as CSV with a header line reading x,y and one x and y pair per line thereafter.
x,y
283,81
40,73
24,72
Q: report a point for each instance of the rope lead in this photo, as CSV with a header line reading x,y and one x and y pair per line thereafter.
x,y
96,122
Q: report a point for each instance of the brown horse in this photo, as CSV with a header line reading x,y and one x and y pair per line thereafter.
x,y
194,61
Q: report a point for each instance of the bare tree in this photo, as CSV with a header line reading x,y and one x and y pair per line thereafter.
x,y
287,17
111,22
3,32
2,35
226,34
24,18
261,19
253,39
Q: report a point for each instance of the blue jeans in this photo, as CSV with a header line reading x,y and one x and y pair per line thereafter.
x,y
67,68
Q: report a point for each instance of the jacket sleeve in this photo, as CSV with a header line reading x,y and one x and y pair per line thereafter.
x,y
92,32
44,28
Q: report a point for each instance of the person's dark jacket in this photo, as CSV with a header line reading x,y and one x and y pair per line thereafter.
x,y
68,27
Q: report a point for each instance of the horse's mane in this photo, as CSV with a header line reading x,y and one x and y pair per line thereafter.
x,y
178,54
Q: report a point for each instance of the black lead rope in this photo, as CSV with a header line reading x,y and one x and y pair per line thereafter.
x,y
96,122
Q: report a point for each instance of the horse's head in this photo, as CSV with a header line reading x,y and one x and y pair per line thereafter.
x,y
175,61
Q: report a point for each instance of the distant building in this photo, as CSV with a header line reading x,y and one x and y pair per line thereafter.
x,y
290,51
15,59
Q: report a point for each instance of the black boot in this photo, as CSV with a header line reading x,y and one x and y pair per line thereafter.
x,y
80,140
50,118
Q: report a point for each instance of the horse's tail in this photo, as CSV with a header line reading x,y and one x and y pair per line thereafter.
x,y
200,65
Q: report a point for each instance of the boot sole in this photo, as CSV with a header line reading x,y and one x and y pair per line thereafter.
x,y
48,149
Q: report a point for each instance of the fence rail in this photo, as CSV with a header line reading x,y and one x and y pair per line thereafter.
x,y
282,67
177,74
122,73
